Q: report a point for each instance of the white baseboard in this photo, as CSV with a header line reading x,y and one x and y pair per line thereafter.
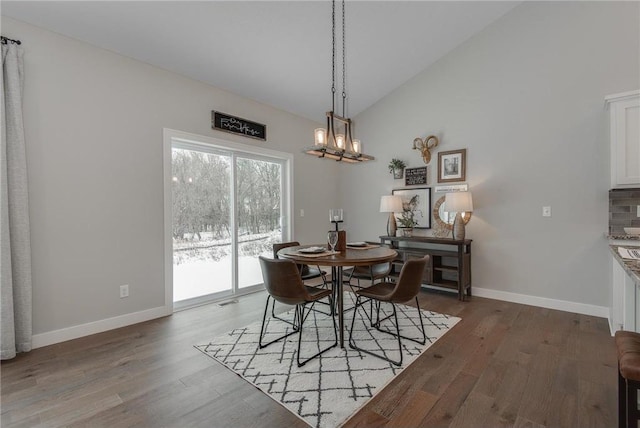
x,y
69,333
62,335
543,302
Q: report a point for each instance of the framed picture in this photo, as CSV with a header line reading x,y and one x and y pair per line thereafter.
x,y
415,176
416,204
452,166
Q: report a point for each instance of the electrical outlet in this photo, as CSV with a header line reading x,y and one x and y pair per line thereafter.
x,y
546,211
124,291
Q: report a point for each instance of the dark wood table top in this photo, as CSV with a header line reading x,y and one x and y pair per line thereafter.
x,y
350,257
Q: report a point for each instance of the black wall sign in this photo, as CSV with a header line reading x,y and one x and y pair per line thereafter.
x,y
237,125
413,176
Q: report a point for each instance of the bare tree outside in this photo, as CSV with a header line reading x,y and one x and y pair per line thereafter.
x,y
201,199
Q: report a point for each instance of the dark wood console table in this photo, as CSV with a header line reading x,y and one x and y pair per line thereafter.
x,y
450,264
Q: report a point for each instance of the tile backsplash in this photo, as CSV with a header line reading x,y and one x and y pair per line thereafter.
x,y
623,212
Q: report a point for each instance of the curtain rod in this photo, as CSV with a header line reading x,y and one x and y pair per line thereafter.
x,y
4,40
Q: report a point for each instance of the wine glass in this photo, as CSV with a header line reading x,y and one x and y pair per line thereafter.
x,y
332,236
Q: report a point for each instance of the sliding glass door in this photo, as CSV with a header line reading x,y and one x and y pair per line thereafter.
x,y
202,235
259,210
228,207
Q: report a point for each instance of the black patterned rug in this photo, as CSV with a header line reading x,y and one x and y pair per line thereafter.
x,y
329,389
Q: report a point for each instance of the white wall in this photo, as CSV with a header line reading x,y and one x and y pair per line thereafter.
x,y
94,122
525,98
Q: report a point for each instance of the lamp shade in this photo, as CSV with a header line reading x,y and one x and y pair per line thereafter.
x,y
458,202
390,204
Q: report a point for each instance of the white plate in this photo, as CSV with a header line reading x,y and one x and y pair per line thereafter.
x,y
356,244
312,250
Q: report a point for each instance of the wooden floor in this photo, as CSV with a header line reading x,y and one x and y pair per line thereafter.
x,y
504,364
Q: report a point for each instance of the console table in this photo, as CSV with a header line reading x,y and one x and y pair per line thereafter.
x,y
449,265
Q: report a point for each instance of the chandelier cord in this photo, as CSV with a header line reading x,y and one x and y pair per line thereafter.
x,y
344,74
333,55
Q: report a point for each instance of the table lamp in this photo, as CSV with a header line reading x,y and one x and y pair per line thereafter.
x,y
391,204
458,202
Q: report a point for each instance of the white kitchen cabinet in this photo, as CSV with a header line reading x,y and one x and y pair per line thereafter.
x,y
623,301
624,126
625,292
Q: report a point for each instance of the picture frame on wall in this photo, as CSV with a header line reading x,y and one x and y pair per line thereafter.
x,y
418,200
415,176
452,166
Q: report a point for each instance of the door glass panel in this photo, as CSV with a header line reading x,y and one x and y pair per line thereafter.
x,y
259,213
202,257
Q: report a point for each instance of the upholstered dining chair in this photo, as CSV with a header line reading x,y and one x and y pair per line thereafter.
x,y
306,272
371,273
283,283
405,289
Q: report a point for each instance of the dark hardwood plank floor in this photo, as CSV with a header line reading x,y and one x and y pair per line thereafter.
x,y
503,365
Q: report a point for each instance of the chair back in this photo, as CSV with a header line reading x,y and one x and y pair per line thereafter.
x,y
282,281
379,270
303,269
279,246
409,281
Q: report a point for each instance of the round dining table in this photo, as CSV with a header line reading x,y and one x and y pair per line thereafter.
x,y
367,256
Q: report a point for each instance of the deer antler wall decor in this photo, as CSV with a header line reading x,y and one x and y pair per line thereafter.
x,y
425,146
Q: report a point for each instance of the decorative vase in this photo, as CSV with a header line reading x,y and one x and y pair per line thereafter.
x,y
407,232
458,228
398,173
392,226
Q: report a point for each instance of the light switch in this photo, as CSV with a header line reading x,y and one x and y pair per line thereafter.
x,y
546,211
302,212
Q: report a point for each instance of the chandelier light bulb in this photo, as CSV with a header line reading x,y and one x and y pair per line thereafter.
x,y
356,146
320,136
340,143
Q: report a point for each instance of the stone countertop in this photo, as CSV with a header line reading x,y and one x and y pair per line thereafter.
x,y
632,267
624,237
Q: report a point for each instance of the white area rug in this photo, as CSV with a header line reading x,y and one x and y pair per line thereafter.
x,y
329,389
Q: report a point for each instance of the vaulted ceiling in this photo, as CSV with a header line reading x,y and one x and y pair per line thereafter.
x,y
275,52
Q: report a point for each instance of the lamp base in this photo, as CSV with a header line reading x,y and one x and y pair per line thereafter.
x,y
458,227
392,226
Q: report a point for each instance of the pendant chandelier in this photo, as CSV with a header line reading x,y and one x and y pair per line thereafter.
x,y
336,141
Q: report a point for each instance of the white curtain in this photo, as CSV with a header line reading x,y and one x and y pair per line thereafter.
x,y
15,239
